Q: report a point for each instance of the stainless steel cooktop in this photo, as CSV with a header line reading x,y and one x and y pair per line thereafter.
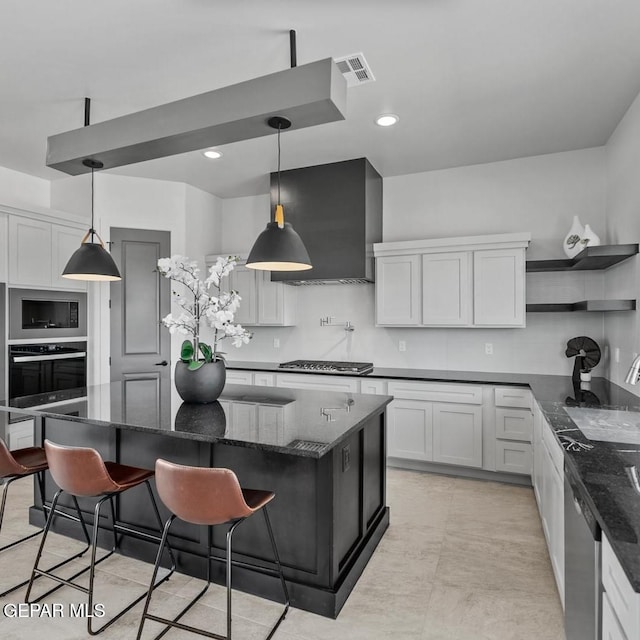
x,y
329,366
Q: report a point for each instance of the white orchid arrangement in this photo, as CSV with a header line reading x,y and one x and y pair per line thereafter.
x,y
205,301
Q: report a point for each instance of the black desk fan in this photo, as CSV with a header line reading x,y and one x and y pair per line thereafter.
x,y
586,352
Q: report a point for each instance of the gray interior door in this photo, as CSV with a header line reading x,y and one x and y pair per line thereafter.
x,y
140,344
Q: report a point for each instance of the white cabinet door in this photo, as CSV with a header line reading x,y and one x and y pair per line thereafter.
x,y
623,600
514,424
374,386
552,504
270,300
64,241
244,423
264,379
398,290
20,435
513,457
29,252
271,424
239,377
244,281
410,430
4,247
457,434
611,629
498,288
446,289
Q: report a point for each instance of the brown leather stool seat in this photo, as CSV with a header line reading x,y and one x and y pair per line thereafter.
x,y
209,496
16,464
20,463
81,472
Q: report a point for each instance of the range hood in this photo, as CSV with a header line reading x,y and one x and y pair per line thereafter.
x,y
337,210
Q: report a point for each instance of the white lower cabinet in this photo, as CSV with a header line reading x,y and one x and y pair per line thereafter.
x,y
20,435
621,620
423,423
317,383
611,629
514,429
237,376
551,493
410,430
457,434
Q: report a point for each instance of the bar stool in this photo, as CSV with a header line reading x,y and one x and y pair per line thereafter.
x,y
209,497
24,463
81,471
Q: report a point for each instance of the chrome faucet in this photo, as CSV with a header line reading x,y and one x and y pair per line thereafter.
x,y
634,372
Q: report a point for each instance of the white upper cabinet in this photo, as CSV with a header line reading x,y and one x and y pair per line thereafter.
x,y
498,284
476,281
64,242
264,303
4,240
29,252
398,290
39,251
244,281
446,289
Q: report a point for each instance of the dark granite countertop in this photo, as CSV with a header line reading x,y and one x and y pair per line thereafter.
x,y
603,468
288,421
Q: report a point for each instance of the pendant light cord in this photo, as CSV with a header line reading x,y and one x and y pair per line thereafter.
x,y
279,127
92,230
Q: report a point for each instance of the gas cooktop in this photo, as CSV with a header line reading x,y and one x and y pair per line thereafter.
x,y
329,366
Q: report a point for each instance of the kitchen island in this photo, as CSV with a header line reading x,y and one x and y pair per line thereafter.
x,y
323,453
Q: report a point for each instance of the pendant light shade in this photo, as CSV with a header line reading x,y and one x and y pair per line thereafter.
x,y
91,262
279,247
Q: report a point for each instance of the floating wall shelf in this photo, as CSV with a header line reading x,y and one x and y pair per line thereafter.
x,y
589,259
585,305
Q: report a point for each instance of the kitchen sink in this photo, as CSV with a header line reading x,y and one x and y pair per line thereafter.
x,y
607,425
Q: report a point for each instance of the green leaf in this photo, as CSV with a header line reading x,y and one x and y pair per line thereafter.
x,y
195,365
186,351
207,352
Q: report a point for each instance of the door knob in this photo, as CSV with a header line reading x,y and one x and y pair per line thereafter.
x,y
164,363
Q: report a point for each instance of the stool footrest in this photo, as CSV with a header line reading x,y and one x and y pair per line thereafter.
x,y
185,627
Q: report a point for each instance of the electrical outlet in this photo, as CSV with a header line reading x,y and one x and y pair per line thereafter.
x,y
488,348
402,345
616,354
276,343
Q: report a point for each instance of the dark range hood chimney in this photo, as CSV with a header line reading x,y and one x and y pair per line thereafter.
x,y
337,211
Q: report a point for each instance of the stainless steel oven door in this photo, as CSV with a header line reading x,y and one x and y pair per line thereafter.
x,y
40,371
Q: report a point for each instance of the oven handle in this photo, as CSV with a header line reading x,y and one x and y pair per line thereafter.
x,y
56,356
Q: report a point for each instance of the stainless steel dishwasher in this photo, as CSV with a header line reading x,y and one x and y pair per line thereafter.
x,y
583,592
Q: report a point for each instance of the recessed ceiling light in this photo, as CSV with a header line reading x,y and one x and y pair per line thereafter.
x,y
387,120
212,153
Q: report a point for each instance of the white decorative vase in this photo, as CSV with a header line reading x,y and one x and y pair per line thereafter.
x,y
572,244
589,238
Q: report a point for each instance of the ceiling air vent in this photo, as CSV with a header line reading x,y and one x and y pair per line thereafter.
x,y
355,69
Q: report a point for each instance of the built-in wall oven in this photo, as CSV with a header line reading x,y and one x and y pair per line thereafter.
x,y
47,373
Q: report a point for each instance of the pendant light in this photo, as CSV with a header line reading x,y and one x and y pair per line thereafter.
x,y
91,261
279,247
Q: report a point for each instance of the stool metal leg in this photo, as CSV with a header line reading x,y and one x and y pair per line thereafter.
x,y
282,580
3,502
36,573
175,622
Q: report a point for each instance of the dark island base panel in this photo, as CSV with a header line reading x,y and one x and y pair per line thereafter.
x,y
328,515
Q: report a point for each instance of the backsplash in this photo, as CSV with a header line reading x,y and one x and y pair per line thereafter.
x,y
539,348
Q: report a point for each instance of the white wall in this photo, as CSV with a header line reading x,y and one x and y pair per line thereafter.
x,y
540,194
623,226
23,191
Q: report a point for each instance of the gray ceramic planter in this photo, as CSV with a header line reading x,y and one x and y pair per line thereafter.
x,y
203,385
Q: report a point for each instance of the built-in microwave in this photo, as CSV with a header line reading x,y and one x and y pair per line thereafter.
x,y
36,314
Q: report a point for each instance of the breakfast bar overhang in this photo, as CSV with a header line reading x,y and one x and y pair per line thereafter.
x,y
322,453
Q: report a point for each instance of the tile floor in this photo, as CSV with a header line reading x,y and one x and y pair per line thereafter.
x,y
462,560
